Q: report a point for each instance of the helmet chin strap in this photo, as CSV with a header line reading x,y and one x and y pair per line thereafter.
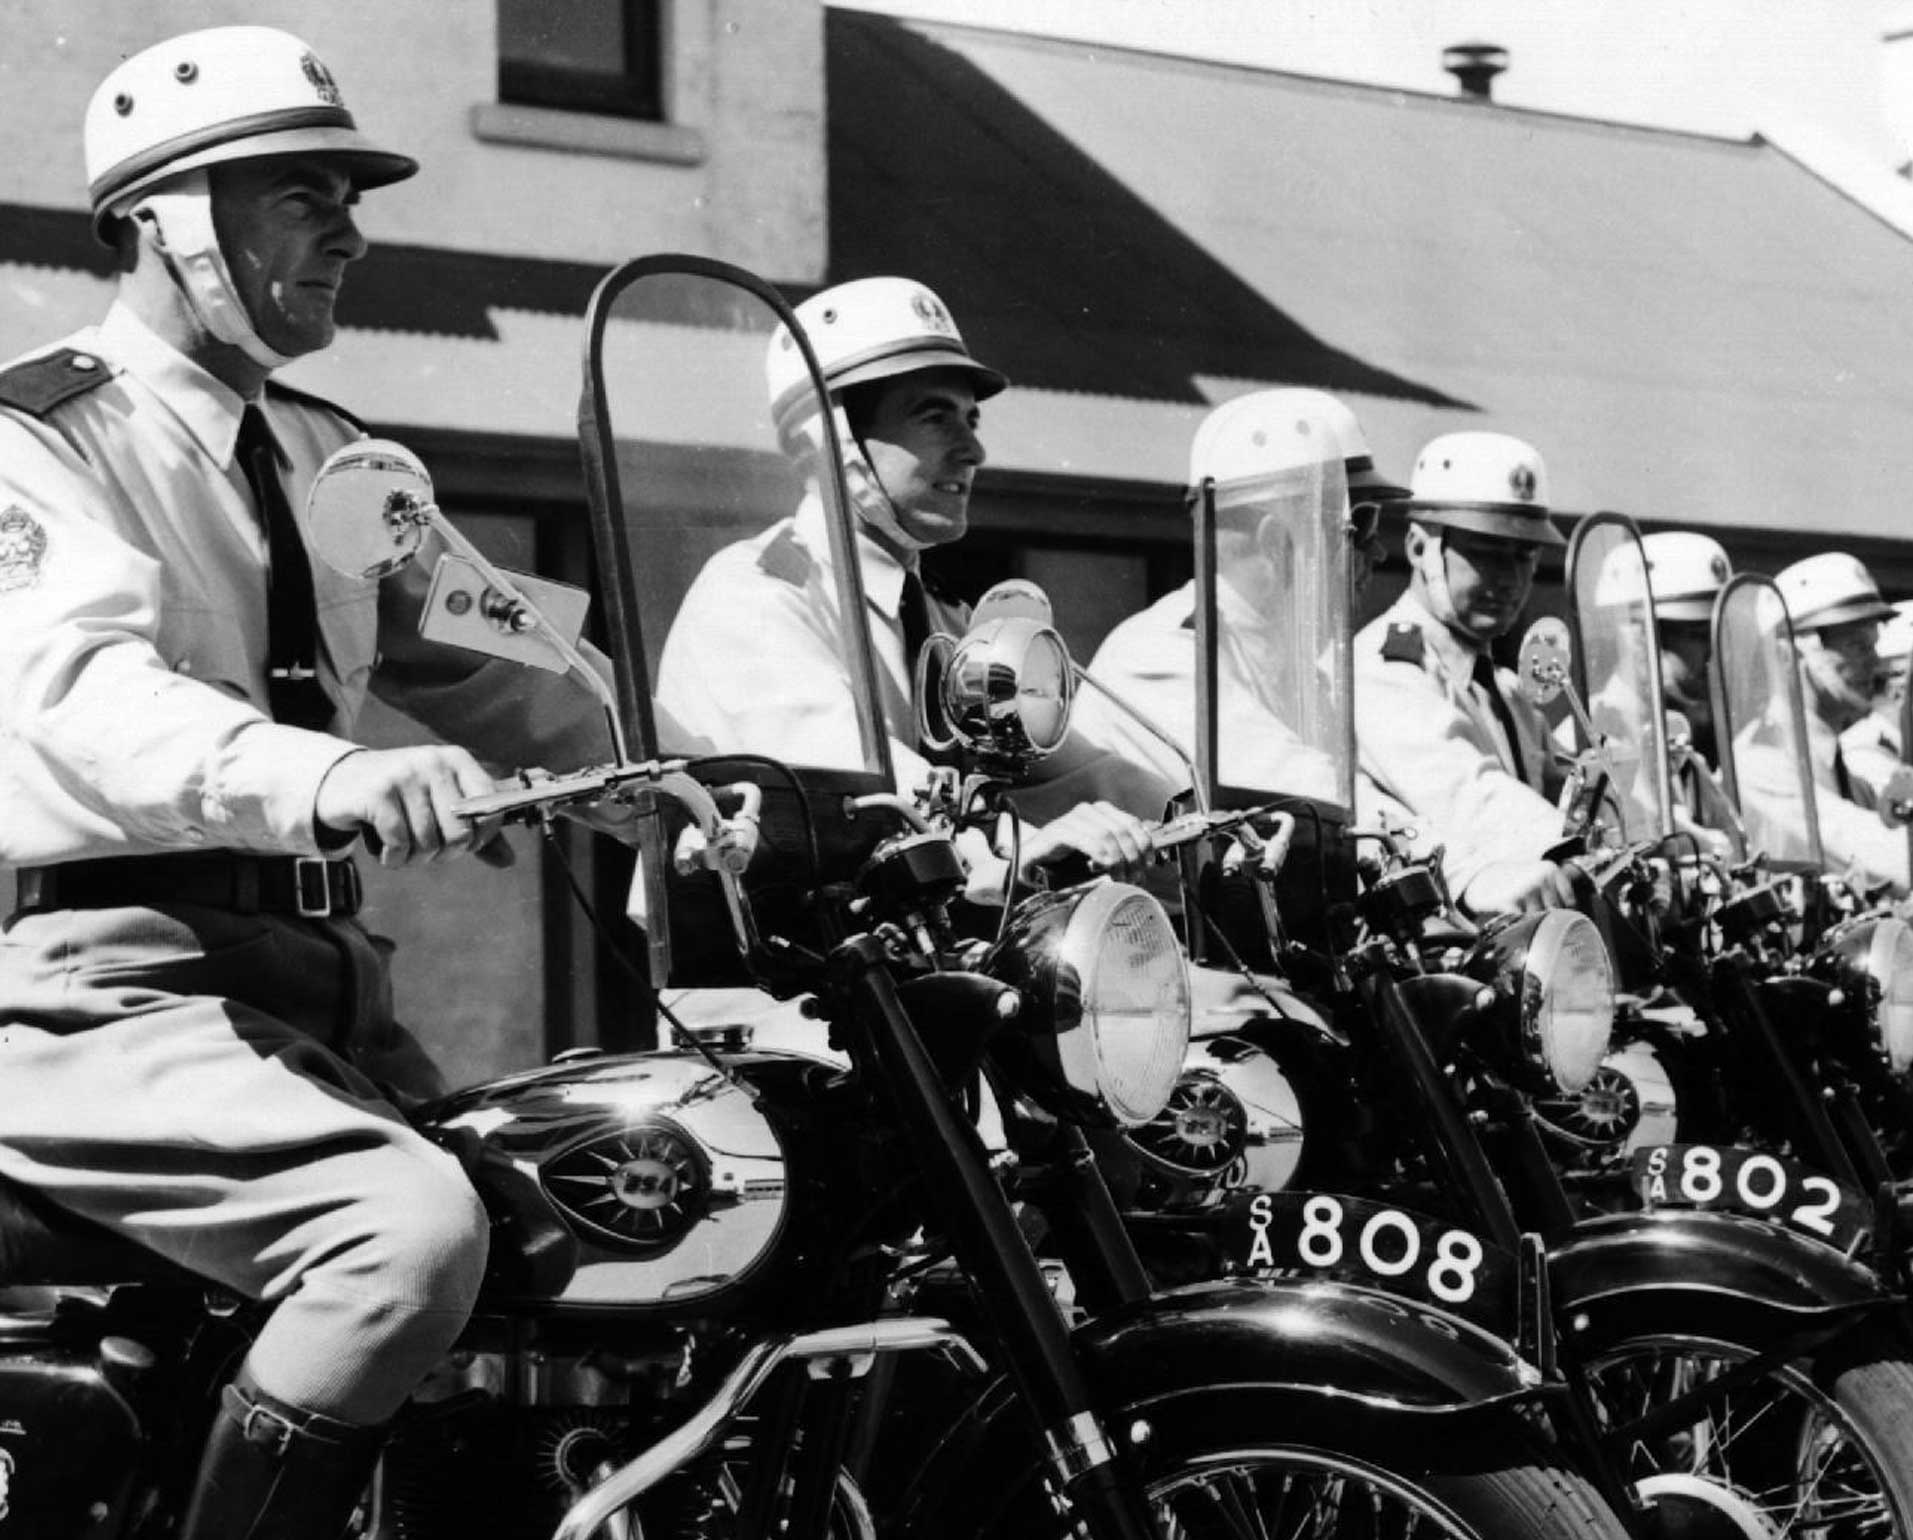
x,y
1432,567
182,220
868,496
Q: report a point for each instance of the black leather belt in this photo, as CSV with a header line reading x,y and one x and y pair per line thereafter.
x,y
306,886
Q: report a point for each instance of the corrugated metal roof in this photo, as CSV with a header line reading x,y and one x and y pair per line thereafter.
x,y
1691,329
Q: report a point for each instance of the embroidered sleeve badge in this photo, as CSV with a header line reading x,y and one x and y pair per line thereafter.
x,y
22,549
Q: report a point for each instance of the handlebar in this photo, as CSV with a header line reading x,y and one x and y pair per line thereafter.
x,y
715,843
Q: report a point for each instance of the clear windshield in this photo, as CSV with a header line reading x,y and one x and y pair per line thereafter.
x,y
1762,724
1273,623
1620,663
722,550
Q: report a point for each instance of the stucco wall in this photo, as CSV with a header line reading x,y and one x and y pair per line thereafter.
x,y
746,76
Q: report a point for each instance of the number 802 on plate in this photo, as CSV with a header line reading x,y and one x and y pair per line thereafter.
x,y
1751,1182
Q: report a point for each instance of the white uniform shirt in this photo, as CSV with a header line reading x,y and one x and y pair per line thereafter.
x,y
133,713
1149,660
1429,738
1851,831
755,662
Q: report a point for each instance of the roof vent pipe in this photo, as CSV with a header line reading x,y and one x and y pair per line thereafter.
x,y
1475,65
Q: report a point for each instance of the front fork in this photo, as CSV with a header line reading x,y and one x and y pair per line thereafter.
x,y
1041,1360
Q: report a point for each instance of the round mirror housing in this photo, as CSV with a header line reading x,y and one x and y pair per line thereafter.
x,y
1546,654
1008,688
368,507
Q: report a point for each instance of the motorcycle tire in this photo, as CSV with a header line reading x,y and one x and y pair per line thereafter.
x,y
1817,1445
1259,1461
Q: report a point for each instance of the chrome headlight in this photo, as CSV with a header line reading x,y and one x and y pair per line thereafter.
x,y
1106,999
1556,968
1875,959
1008,689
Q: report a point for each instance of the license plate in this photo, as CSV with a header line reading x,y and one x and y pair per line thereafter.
x,y
1395,1250
1733,1180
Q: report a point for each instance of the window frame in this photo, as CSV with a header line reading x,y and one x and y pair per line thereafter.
x,y
638,92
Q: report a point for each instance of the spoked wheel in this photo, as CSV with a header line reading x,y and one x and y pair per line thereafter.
x,y
1813,1448
1299,1494
1257,1464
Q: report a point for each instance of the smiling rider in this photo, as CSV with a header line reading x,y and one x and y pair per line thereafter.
x,y
755,658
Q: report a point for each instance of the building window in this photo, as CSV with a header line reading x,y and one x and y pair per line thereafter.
x,y
596,56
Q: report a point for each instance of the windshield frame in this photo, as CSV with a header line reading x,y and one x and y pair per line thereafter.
x,y
610,535
1582,573
1727,729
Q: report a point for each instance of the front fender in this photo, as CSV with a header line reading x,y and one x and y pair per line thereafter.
x,y
1719,1273
1317,1363
1321,1339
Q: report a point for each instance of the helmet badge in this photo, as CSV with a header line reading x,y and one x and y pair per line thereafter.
x,y
322,82
1521,481
929,310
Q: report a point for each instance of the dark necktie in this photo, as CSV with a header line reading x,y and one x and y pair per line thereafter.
x,y
913,611
1842,777
1484,677
292,619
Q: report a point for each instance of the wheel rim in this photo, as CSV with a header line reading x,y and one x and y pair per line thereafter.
x,y
1295,1494
1780,1443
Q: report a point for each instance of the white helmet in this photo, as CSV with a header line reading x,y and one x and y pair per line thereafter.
x,y
1487,483
227,93
869,329
163,117
1685,570
1250,438
1831,589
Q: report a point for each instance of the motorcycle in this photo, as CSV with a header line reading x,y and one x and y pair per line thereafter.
x,y
1836,968
1735,916
1724,1347
700,1314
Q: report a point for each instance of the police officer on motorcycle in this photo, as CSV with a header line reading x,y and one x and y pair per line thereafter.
x,y
1437,725
1264,454
1873,746
755,658
196,1033
1837,611
1686,571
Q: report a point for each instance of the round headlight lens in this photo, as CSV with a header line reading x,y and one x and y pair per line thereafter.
x,y
1882,950
1133,1002
1567,998
1107,999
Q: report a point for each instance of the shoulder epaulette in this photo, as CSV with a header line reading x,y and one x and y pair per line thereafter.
x,y
274,387
1404,644
37,385
785,560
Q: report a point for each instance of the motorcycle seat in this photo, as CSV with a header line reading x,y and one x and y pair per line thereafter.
x,y
42,1243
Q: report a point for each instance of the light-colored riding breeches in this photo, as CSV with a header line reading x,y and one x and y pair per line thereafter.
x,y
210,1085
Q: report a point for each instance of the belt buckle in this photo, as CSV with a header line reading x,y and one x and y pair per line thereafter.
x,y
311,887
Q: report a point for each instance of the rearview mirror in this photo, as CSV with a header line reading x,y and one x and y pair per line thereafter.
x,y
366,513
1546,654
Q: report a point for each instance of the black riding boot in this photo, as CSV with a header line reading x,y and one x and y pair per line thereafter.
x,y
274,1472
